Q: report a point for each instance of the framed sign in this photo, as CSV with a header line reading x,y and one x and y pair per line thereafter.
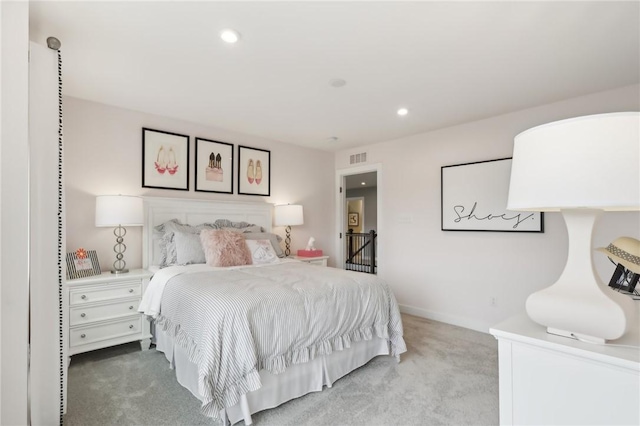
x,y
254,171
214,166
82,263
474,198
165,160
353,219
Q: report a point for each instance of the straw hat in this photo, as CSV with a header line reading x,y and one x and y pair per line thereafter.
x,y
626,251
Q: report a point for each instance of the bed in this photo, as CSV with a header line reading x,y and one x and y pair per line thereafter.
x,y
247,338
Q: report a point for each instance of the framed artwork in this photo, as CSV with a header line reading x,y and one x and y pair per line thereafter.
x,y
254,171
474,198
214,166
353,219
165,160
623,279
82,263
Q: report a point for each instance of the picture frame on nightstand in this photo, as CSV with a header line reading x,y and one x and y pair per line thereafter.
x,y
82,263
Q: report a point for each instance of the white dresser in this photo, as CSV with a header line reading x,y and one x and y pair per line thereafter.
x,y
552,380
103,311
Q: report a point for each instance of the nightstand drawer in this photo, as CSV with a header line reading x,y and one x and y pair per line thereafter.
x,y
87,314
105,292
95,333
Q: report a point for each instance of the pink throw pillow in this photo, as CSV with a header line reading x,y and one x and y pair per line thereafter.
x,y
224,248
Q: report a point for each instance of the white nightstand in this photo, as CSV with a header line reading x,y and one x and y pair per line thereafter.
x,y
318,260
103,311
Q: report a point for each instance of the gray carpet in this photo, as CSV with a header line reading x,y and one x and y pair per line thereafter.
x,y
449,376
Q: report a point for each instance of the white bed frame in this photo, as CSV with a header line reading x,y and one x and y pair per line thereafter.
x,y
297,380
194,212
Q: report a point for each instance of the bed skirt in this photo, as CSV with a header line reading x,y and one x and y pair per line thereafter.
x,y
296,381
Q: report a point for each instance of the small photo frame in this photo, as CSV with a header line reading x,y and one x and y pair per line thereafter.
x,y
623,279
165,160
254,171
82,263
353,219
214,166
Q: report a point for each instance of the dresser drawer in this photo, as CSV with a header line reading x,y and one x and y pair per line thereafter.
x,y
105,292
83,335
87,314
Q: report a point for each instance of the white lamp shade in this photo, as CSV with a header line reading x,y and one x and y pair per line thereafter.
x,y
585,162
288,215
114,210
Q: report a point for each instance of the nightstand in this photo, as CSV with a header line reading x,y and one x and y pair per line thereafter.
x,y
318,260
103,311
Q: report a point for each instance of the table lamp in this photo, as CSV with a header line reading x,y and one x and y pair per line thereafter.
x,y
288,215
580,167
119,211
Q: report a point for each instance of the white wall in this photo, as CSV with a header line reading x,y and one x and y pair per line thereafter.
x,y
452,276
103,150
14,216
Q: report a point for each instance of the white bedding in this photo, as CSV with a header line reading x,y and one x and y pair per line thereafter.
x,y
234,322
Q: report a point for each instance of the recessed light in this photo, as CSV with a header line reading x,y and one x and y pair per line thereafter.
x,y
337,82
230,36
332,139
364,183
403,111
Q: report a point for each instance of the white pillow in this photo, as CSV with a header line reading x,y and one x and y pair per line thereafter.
x,y
262,252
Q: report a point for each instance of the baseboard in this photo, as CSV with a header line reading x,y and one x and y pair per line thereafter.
x,y
449,319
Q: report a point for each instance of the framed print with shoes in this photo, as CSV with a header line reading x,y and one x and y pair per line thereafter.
x,y
165,160
214,166
254,171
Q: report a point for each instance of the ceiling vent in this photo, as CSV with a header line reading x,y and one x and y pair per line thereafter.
x,y
358,158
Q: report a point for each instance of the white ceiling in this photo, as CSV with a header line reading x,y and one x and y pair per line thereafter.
x,y
448,62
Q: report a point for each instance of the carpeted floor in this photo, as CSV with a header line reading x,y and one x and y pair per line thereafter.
x,y
449,376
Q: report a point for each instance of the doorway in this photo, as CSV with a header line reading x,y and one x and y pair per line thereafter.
x,y
359,218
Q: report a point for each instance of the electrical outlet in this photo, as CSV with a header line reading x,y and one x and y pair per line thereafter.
x,y
492,302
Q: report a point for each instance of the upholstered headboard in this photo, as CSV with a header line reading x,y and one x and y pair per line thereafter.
x,y
194,212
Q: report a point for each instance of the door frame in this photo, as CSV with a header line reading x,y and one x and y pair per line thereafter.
x,y
341,219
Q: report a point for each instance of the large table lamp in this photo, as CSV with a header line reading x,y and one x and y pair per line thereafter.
x,y
288,215
580,167
119,211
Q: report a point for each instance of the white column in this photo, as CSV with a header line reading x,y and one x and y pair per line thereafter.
x,y
14,211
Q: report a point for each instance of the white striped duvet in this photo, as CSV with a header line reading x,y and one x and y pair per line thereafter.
x,y
235,322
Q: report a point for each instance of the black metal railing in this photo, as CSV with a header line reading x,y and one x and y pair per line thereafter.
x,y
361,252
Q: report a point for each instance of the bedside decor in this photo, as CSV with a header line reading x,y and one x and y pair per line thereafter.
x,y
310,250
82,263
165,160
624,252
254,171
214,166
288,215
580,167
474,198
119,211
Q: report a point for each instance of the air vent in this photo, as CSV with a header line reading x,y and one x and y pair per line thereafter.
x,y
358,158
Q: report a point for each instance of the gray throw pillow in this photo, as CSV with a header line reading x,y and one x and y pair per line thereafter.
x,y
188,248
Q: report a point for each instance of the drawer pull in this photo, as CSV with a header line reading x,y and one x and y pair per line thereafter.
x,y
83,336
130,290
83,297
130,307
83,315
131,326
